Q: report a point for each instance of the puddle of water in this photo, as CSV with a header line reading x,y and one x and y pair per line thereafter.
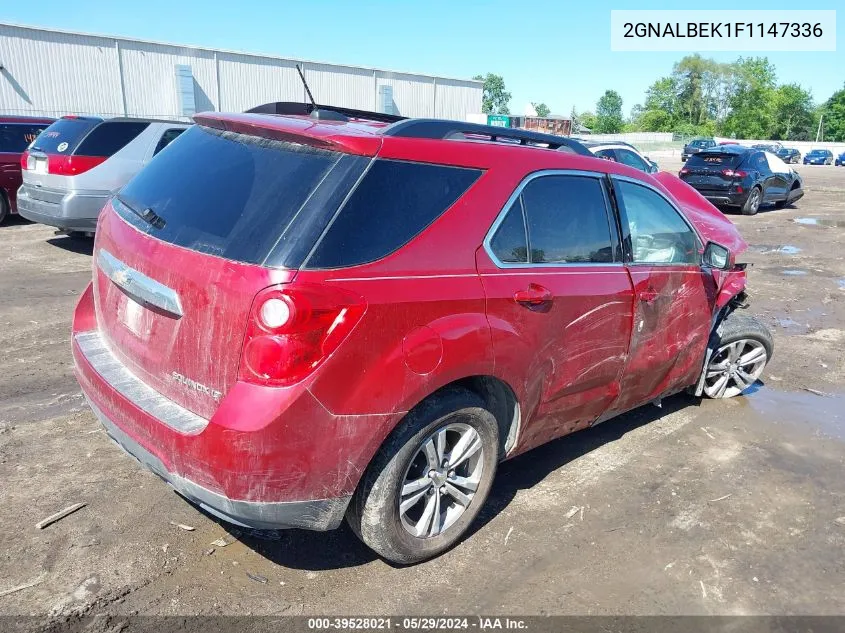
x,y
842,284
786,249
794,272
825,414
820,222
792,325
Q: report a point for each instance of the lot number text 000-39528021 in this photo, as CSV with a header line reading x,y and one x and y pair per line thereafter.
x,y
713,30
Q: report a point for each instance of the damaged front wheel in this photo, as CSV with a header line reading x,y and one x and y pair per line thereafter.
x,y
745,347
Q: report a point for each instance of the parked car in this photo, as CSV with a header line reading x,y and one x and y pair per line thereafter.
x,y
696,145
773,148
293,320
622,153
16,133
789,155
818,157
75,165
840,160
735,176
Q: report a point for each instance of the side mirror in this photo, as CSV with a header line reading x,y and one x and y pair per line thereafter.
x,y
716,256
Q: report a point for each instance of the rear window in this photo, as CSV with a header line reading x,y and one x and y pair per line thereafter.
x,y
714,160
231,195
16,137
110,137
63,136
702,143
394,202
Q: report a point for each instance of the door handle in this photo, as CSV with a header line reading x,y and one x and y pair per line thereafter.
x,y
649,295
534,295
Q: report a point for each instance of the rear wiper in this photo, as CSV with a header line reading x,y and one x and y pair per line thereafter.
x,y
147,215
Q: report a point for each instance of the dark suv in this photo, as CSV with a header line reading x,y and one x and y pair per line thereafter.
x,y
324,313
16,133
744,177
696,145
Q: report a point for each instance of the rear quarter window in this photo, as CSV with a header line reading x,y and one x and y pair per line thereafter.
x,y
110,137
393,203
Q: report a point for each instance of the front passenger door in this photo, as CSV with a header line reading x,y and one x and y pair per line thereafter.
x,y
673,296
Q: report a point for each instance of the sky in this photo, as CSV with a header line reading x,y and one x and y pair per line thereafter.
x,y
557,53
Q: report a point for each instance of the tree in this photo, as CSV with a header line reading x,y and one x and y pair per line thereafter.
x,y
541,109
495,98
753,100
609,113
834,117
793,114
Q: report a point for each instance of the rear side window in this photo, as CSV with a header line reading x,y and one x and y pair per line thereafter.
x,y
393,203
63,136
110,137
510,241
167,138
227,194
567,220
715,160
16,137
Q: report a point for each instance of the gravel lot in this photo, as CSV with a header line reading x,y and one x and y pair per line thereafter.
x,y
698,507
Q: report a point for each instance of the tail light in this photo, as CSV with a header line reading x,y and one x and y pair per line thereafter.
x,y
24,159
683,171
734,173
292,330
72,165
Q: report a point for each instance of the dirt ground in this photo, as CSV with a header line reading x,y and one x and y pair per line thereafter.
x,y
698,507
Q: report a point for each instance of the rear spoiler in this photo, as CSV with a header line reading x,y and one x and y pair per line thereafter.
x,y
319,134
322,112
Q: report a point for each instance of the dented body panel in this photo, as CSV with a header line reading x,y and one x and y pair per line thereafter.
x,y
438,310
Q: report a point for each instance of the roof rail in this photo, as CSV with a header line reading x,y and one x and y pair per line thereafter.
x,y
442,129
323,112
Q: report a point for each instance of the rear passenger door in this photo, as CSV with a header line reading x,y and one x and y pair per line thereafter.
x,y
559,301
673,295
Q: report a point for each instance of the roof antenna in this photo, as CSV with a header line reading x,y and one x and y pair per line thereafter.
x,y
305,84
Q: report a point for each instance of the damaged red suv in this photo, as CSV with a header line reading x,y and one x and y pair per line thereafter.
x,y
322,313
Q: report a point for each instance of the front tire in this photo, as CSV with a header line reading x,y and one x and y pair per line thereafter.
x,y
753,201
743,350
429,480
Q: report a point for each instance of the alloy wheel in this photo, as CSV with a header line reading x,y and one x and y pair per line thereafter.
x,y
734,367
441,480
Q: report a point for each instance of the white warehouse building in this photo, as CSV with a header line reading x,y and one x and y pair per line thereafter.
x,y
45,72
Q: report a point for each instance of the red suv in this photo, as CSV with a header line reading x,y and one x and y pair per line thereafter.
x,y
16,133
300,317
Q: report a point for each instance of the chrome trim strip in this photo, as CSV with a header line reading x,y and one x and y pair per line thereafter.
x,y
146,291
132,388
501,218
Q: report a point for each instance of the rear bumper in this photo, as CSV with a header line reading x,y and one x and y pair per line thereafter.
x,y
269,458
321,514
725,198
70,211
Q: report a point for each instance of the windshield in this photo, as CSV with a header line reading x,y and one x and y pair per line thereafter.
x,y
701,143
714,160
226,194
63,136
817,152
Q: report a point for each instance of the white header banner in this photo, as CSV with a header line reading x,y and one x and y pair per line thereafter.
x,y
722,30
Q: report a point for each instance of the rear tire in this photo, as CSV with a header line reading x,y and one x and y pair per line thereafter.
x,y
744,347
402,487
4,208
753,201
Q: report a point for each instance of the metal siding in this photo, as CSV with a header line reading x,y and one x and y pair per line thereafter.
x,y
54,73
47,73
413,95
149,77
247,81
